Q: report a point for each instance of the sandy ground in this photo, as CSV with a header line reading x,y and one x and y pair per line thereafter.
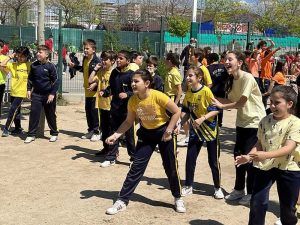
x,y
61,183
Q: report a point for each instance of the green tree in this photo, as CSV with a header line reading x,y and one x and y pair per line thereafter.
x,y
18,6
111,42
178,26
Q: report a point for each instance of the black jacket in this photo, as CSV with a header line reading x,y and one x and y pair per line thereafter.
x,y
43,78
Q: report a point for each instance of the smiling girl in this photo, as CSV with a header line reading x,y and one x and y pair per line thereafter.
x,y
276,157
245,96
149,107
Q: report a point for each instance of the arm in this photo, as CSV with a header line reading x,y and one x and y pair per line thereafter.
x,y
123,128
178,94
272,44
243,159
200,120
231,105
272,84
173,108
4,63
94,73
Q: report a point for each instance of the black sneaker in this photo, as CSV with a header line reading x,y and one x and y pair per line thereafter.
x,y
5,133
17,131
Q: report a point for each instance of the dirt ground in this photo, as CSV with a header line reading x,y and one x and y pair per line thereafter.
x,y
62,183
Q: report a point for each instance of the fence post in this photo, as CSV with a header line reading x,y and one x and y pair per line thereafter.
x,y
161,44
60,43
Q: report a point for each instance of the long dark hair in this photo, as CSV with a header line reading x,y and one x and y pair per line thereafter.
x,y
240,56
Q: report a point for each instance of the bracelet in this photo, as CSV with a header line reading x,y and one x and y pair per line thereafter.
x,y
169,132
205,117
96,70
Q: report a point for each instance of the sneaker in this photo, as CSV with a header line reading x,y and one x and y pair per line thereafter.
x,y
53,138
87,135
5,133
101,153
235,195
278,222
17,131
107,163
218,193
245,200
95,137
183,143
119,206
29,139
186,190
179,205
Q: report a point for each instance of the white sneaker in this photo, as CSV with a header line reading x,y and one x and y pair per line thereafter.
x,y
179,205
278,222
218,193
53,138
235,195
87,135
186,190
119,206
245,200
95,137
29,139
183,143
107,163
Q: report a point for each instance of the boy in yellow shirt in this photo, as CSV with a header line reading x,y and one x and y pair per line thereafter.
x,y
19,75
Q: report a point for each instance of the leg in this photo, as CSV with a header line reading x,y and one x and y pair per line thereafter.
x,y
170,163
105,127
114,148
213,150
193,150
88,109
130,142
141,158
288,183
2,89
94,114
14,113
50,113
35,113
263,181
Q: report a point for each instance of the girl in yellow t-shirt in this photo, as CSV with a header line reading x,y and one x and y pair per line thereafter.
x,y
19,75
149,107
276,157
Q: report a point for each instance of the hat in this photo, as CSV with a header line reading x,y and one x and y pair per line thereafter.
x,y
193,40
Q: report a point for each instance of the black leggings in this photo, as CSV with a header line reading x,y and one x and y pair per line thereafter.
x,y
2,89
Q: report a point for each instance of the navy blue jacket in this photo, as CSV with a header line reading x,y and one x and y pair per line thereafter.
x,y
119,82
43,78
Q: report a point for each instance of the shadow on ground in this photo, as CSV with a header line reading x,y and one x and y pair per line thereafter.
x,y
205,222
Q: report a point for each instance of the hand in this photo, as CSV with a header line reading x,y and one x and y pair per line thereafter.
x,y
111,139
92,86
242,159
122,95
12,55
101,93
29,95
98,66
196,123
216,103
50,99
70,64
259,156
166,137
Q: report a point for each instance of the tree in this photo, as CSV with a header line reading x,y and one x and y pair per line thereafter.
x,y
18,6
178,26
3,13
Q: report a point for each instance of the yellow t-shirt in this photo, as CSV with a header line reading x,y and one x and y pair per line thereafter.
x,y
150,111
253,111
199,103
19,78
133,66
86,75
272,135
103,82
2,74
207,78
172,79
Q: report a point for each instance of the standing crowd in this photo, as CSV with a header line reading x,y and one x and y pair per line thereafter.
x,y
128,102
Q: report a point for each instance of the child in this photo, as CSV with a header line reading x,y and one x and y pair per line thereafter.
x,y
276,157
245,96
41,89
74,60
136,61
204,127
120,90
149,107
90,60
152,63
101,75
19,75
2,75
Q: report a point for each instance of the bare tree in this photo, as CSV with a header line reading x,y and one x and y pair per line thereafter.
x,y
18,6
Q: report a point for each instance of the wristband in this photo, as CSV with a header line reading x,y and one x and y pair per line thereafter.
x,y
205,117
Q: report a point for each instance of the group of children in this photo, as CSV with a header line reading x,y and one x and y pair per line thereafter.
x,y
120,99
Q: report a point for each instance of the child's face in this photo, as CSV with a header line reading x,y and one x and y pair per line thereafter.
x,y
107,63
138,60
42,55
168,63
88,50
191,78
138,84
151,68
122,61
279,106
21,58
232,64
